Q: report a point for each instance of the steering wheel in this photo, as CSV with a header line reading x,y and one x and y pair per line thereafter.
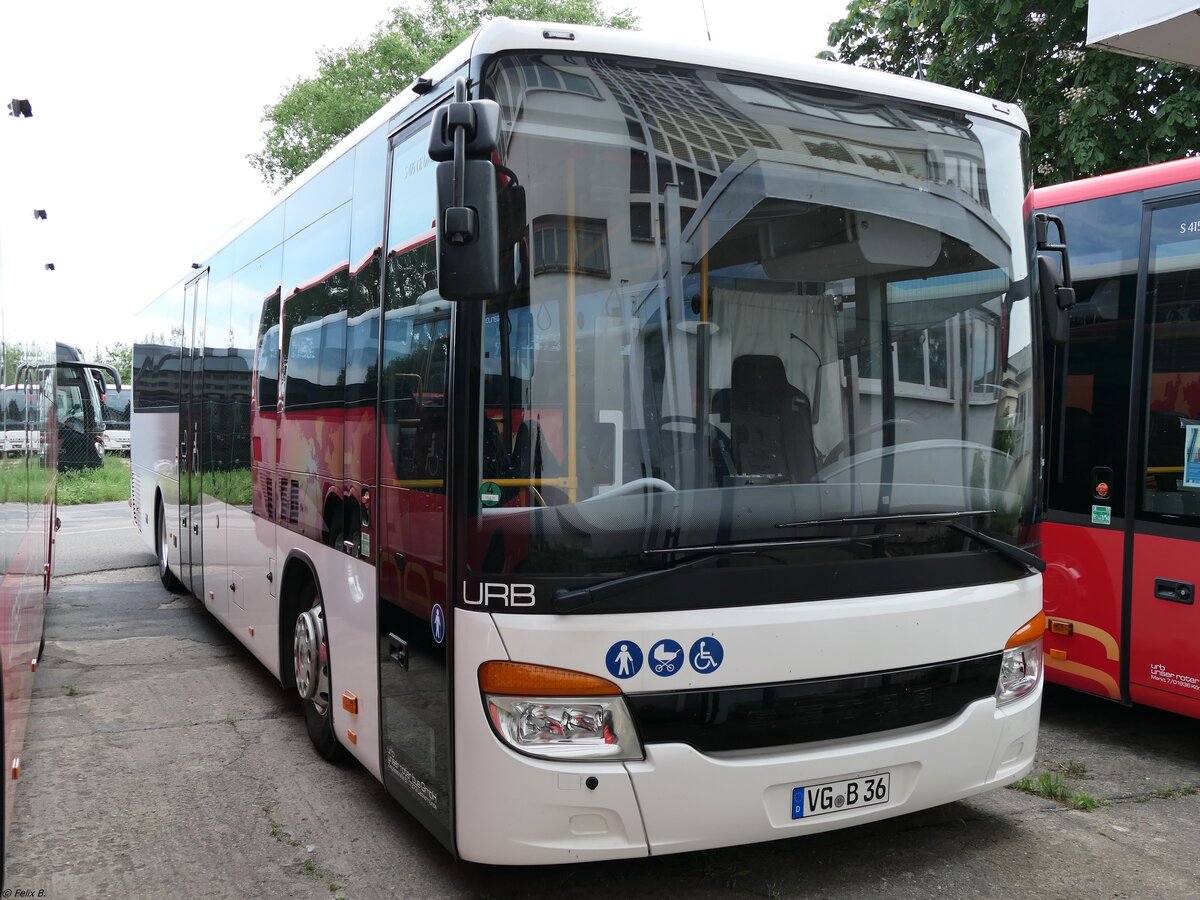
x,y
637,486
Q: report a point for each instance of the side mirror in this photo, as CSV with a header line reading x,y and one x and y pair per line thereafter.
x,y
1055,290
462,138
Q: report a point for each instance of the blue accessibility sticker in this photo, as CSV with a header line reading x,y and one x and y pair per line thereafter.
x,y
624,659
666,657
437,621
706,655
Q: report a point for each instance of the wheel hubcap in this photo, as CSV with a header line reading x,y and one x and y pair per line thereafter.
x,y
311,657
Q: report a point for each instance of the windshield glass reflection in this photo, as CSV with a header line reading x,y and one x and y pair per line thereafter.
x,y
744,303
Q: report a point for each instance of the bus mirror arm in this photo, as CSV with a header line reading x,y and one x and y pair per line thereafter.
x,y
463,136
1055,289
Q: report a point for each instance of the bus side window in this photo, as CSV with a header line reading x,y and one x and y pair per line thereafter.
x,y
266,366
415,358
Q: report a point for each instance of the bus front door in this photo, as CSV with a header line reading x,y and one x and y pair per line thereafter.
x,y
1164,616
409,515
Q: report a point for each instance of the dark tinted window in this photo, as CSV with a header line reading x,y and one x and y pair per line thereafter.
x,y
267,367
116,407
156,353
255,312
316,287
1089,386
362,356
1171,429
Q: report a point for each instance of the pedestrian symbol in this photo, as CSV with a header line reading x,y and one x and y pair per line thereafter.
x,y
624,659
706,655
437,621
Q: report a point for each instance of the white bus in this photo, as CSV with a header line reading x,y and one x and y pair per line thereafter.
x,y
16,432
670,494
115,405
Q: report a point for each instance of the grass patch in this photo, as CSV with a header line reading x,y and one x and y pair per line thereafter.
x,y
70,688
109,482
21,483
1165,793
1053,786
1085,802
1049,785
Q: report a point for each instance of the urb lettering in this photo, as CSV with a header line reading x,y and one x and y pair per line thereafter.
x,y
491,594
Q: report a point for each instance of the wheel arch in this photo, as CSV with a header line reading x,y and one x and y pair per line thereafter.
x,y
298,568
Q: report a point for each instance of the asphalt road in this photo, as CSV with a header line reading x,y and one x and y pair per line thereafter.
x,y
163,760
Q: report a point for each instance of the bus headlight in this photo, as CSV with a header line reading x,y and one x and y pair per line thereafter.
x,y
1021,664
557,713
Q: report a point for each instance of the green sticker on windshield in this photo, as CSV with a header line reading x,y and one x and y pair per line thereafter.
x,y
489,493
1101,515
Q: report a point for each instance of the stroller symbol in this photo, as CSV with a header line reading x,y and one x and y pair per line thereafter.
x,y
665,655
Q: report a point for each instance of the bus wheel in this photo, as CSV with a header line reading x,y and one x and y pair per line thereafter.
x,y
311,649
169,581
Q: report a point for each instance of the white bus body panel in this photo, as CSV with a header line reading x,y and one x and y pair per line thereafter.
x,y
688,800
253,610
348,593
242,551
156,468
352,647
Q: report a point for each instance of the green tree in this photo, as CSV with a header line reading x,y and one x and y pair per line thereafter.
x,y
352,83
120,357
1090,111
12,361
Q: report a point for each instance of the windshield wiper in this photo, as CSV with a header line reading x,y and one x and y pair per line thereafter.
x,y
1008,551
569,601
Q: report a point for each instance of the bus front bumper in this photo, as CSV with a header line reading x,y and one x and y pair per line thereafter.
x,y
678,799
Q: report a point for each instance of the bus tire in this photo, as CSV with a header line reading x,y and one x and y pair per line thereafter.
x,y
311,666
168,579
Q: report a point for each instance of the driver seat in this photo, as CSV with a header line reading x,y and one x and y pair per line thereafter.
x,y
770,421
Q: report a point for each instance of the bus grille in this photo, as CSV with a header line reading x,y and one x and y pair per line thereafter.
x,y
798,712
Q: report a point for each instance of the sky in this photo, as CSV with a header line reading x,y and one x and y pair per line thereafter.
x,y
144,114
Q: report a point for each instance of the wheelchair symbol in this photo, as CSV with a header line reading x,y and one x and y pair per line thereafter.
x,y
706,655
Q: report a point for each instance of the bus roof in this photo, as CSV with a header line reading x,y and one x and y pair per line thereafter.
x,y
502,34
1159,175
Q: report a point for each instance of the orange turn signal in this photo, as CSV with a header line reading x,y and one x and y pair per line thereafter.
x,y
1030,631
515,679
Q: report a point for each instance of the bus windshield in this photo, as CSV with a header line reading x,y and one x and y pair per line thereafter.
x,y
749,303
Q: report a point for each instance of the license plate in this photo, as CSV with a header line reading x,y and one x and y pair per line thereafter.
x,y
838,796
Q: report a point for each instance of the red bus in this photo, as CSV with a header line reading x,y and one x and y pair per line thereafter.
x,y
27,516
1123,418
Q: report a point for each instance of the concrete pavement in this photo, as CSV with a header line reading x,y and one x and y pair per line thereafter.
x,y
163,759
